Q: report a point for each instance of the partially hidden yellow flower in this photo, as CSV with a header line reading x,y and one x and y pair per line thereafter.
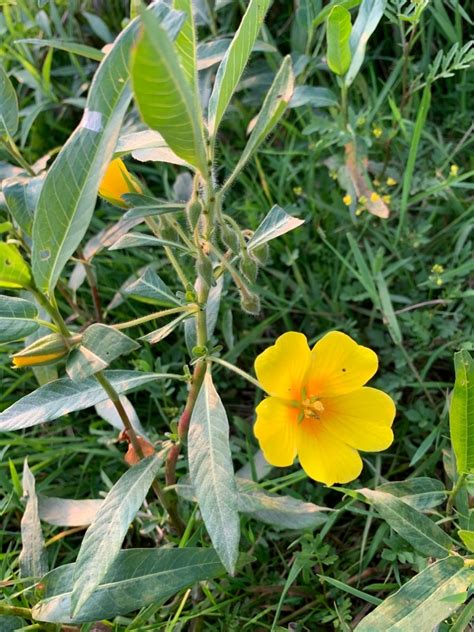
x,y
116,182
347,199
391,182
319,408
377,132
453,170
46,350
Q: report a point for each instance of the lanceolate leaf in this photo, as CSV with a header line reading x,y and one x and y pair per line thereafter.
x,y
468,539
338,33
370,14
185,43
16,318
151,288
165,98
277,222
234,62
21,195
273,107
416,528
8,105
461,414
70,47
33,557
421,604
69,193
65,396
67,512
137,578
159,334
103,539
212,474
421,493
132,240
14,273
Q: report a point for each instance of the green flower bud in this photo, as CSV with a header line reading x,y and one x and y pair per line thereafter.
x,y
261,253
249,267
250,302
193,212
230,238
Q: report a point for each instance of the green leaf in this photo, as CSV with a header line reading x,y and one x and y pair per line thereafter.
x,y
14,273
70,47
68,196
159,334
133,240
68,512
8,105
147,145
33,557
414,527
16,318
387,308
370,14
468,539
65,396
137,578
185,42
212,473
152,288
103,539
165,99
235,59
21,195
461,412
325,11
420,493
314,96
100,345
273,107
277,222
420,604
338,32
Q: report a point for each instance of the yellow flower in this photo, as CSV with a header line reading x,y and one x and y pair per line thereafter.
x,y
116,182
387,198
347,199
437,268
391,182
374,197
377,132
453,170
319,408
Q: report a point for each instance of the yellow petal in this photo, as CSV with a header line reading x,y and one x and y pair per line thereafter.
x,y
116,182
281,368
362,419
275,430
35,360
323,457
339,365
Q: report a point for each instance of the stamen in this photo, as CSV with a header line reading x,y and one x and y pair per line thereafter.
x,y
312,407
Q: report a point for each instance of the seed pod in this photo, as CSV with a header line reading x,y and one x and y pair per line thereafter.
x,y
230,238
249,267
250,302
46,350
193,212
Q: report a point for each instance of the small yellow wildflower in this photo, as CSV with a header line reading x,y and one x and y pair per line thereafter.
x,y
377,132
387,198
116,182
437,268
453,170
439,281
298,190
319,408
363,199
359,211
347,199
391,182
374,197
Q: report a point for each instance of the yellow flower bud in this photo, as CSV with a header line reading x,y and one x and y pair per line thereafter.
x,y
116,182
374,197
347,199
387,198
391,182
453,170
437,268
377,132
46,350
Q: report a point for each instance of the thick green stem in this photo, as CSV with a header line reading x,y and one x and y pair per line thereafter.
x,y
454,492
52,311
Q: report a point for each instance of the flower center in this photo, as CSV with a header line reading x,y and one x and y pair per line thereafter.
x,y
311,408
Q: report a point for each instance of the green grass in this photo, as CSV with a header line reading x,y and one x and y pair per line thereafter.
x,y
368,277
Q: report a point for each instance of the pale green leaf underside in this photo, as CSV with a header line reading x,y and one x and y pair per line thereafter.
x,y
69,192
421,603
368,17
160,334
68,512
468,539
103,539
277,222
416,528
21,195
165,99
151,287
275,104
185,42
16,318
421,493
235,59
461,414
338,32
65,396
14,272
137,578
33,558
211,472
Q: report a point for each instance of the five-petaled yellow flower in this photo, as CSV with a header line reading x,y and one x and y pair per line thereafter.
x,y
319,408
116,182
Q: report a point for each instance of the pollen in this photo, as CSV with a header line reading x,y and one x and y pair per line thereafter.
x,y
312,408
